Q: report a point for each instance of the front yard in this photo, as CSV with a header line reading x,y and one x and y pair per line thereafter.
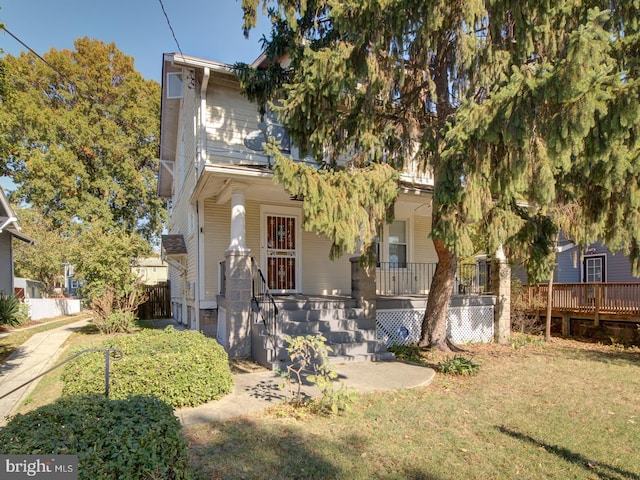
x,y
562,410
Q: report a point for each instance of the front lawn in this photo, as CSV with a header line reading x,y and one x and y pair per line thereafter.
x,y
564,410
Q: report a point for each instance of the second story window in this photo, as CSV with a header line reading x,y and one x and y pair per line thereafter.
x,y
174,85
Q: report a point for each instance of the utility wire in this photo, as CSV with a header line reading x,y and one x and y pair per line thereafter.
x,y
170,27
32,51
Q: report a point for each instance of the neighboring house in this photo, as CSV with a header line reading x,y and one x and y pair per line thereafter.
x,y
593,264
151,270
596,263
25,288
9,229
229,219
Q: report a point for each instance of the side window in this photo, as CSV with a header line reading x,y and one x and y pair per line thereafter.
x,y
174,85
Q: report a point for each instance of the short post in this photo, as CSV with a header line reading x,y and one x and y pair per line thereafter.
x,y
596,317
566,324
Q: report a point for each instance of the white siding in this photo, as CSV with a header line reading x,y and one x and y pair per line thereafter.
x,y
217,220
230,118
320,275
424,251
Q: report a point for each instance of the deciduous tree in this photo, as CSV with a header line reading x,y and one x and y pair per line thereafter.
x,y
81,131
83,134
515,106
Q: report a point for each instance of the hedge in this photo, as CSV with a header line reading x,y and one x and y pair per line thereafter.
x,y
135,438
182,368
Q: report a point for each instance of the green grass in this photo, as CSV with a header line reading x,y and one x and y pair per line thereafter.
x,y
566,410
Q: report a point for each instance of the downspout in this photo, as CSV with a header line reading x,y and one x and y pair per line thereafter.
x,y
202,158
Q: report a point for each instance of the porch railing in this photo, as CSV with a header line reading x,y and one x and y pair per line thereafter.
x,y
397,278
614,298
262,302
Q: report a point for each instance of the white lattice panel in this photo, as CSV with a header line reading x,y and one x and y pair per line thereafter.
x,y
468,324
471,324
399,327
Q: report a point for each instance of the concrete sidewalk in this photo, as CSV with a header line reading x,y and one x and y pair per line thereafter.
x,y
29,360
254,392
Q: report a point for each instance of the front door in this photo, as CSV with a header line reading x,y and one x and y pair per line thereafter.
x,y
282,245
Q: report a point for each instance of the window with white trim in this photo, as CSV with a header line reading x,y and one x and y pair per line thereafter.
x,y
394,247
174,85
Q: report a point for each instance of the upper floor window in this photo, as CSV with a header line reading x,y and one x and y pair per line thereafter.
x,y
174,85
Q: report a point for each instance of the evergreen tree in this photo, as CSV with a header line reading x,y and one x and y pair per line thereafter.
x,y
516,107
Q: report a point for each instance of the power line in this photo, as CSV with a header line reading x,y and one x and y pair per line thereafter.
x,y
32,51
170,27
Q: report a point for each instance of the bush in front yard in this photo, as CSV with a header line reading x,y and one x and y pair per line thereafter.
x,y
183,368
13,313
134,438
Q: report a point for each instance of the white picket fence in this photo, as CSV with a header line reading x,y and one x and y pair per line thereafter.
x,y
40,308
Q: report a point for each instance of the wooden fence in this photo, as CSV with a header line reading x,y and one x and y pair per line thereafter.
x,y
158,304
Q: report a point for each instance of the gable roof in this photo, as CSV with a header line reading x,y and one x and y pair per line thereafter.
x,y
9,220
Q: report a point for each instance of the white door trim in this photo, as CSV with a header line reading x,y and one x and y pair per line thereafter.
x,y
296,213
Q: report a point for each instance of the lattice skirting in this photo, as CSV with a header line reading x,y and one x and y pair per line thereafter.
x,y
468,324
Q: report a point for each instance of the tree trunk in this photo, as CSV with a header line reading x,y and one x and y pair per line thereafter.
x,y
434,323
547,326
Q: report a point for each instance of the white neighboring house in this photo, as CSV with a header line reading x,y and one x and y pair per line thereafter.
x,y
151,270
230,225
9,229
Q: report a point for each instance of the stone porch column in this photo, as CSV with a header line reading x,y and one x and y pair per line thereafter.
x,y
501,288
238,282
363,289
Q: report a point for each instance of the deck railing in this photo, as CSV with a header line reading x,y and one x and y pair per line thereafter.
x,y
613,298
397,278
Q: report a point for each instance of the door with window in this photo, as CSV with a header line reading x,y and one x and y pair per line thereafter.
x,y
594,269
282,252
593,272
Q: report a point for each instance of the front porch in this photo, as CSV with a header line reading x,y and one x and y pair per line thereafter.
x,y
252,321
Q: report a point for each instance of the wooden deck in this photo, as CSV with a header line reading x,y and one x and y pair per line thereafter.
x,y
619,302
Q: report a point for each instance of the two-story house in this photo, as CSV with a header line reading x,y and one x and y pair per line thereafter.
x,y
231,225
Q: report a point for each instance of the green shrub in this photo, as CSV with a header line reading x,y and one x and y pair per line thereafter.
x,y
11,313
134,438
183,368
458,366
310,362
408,353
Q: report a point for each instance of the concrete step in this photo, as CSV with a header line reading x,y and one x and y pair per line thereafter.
x,y
323,314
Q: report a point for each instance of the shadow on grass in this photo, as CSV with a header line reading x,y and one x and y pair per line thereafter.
x,y
602,470
604,355
278,450
89,329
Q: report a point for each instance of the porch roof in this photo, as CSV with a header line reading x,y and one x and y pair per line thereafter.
x,y
174,245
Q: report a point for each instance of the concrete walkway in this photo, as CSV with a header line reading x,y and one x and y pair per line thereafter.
x,y
29,360
252,392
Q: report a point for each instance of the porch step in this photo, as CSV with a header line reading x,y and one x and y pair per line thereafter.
x,y
348,333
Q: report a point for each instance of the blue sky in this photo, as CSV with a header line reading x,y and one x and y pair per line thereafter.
x,y
210,29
